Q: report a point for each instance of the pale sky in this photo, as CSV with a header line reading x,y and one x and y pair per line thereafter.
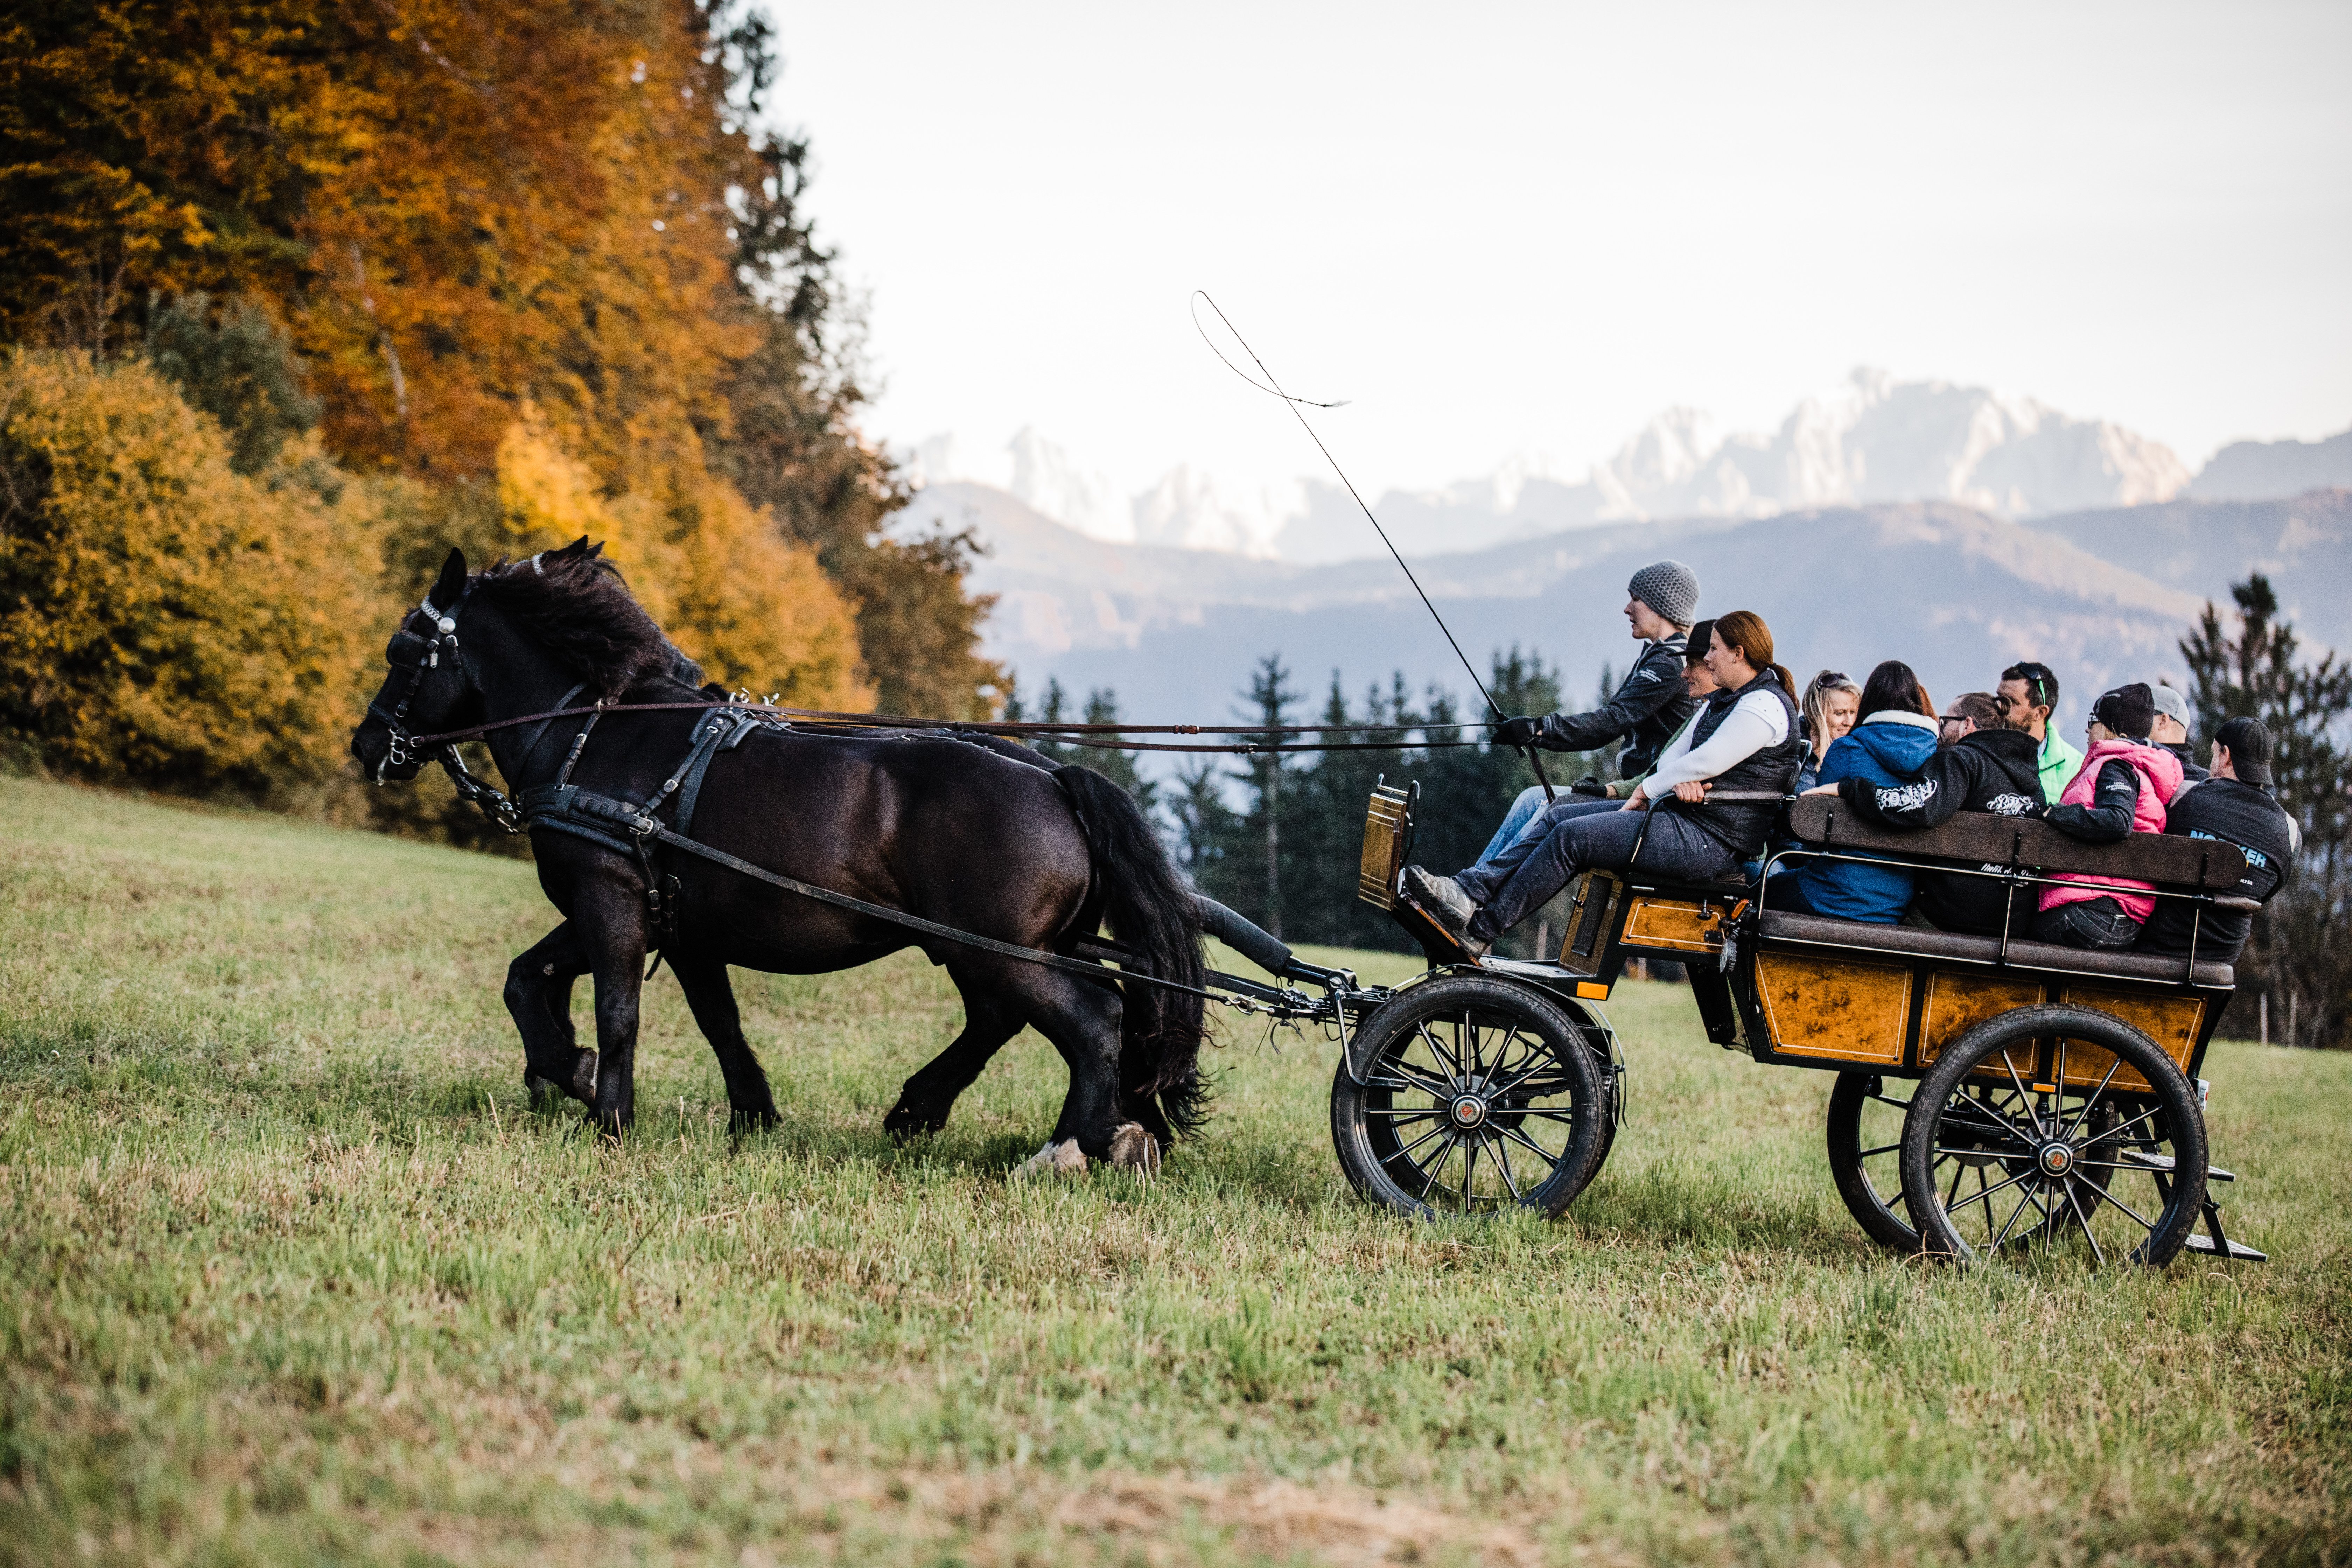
x,y
1509,228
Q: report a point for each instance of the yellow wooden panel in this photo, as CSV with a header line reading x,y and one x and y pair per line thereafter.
x,y
1584,943
2170,1020
1958,1001
1376,880
1833,1008
1671,923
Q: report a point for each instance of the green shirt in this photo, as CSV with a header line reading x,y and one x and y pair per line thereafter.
x,y
2058,763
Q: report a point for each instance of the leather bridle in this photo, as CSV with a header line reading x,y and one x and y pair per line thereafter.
x,y
438,631
439,627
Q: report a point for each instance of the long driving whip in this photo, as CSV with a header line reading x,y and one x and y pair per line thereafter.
x,y
1274,388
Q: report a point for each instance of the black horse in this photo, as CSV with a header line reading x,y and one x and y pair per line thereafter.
x,y
1001,846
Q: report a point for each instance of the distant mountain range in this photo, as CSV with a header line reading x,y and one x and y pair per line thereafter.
x,y
2102,595
1872,440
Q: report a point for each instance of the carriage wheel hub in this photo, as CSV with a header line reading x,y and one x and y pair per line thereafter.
x,y
1469,1110
2056,1159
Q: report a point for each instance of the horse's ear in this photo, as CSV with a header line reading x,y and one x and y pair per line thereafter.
x,y
452,585
595,550
577,548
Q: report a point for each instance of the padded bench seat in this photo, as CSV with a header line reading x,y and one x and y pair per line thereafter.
x,y
1910,941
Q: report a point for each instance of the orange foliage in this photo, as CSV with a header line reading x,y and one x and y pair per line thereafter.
x,y
163,616
456,208
753,609
476,217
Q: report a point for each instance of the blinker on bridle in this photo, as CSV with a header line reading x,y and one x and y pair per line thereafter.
x,y
439,627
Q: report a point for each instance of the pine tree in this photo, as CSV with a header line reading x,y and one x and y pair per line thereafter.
x,y
2301,951
1269,698
1205,825
1116,765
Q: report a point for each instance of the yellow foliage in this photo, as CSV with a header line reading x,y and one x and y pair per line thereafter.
x,y
161,617
712,572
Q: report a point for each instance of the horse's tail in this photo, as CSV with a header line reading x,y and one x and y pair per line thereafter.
x,y
1151,914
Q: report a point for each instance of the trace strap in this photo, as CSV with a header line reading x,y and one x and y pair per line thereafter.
x,y
641,826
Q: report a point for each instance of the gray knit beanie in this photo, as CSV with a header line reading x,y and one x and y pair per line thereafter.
x,y
1668,587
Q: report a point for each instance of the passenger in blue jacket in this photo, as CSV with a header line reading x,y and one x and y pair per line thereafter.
x,y
1891,741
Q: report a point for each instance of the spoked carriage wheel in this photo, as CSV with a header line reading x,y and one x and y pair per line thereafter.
x,y
1480,1093
2056,1128
1866,1138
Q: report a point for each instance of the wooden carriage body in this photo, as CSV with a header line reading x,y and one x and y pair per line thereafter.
x,y
1845,995
2046,1075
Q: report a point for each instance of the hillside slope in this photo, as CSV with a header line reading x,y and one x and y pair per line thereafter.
x,y
291,1274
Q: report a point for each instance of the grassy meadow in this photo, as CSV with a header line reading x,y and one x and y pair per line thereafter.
x,y
289,1272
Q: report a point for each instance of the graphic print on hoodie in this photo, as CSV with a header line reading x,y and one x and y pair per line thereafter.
x,y
1886,751
1993,771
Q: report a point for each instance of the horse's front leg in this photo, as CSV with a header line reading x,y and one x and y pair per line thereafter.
x,y
613,932
538,995
711,996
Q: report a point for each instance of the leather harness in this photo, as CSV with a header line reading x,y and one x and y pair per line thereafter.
x,y
633,829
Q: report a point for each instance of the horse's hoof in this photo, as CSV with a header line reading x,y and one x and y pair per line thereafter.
x,y
544,1091
1135,1149
1063,1159
905,1123
758,1121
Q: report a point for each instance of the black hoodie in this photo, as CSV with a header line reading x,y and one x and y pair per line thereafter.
x,y
1997,770
2239,814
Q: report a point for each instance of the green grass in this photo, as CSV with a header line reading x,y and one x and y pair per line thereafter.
x,y
288,1272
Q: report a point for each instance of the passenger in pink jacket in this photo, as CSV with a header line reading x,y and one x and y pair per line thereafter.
x,y
2122,788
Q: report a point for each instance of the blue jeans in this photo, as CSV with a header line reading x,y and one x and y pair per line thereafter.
x,y
1512,888
1522,811
1528,814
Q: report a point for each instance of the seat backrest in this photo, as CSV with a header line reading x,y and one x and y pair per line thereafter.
x,y
1980,837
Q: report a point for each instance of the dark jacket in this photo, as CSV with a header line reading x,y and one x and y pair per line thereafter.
x,y
2239,814
1742,828
1648,710
1886,751
2188,768
1995,771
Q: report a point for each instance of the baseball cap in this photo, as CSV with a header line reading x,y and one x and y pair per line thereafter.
x,y
2172,702
2128,711
2249,745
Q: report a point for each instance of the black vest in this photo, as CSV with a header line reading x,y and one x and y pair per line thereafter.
x,y
1742,829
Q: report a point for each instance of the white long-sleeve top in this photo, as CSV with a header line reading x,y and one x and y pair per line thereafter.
x,y
1755,723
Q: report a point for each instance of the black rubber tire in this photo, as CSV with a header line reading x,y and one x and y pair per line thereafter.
x,y
2149,1155
1870,1180
1384,1129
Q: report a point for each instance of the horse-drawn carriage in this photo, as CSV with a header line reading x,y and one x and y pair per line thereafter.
x,y
2055,1102
2052,1101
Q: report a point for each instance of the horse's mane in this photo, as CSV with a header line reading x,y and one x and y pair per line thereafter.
x,y
576,606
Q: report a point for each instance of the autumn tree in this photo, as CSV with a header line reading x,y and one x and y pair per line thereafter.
x,y
165,619
468,216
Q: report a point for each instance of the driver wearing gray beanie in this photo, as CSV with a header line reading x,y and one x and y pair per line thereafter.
x,y
1662,601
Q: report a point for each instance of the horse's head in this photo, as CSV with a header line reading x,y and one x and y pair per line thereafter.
x,y
530,629
426,690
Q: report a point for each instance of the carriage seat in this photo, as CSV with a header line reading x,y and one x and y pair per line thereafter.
x,y
1911,941
1975,838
